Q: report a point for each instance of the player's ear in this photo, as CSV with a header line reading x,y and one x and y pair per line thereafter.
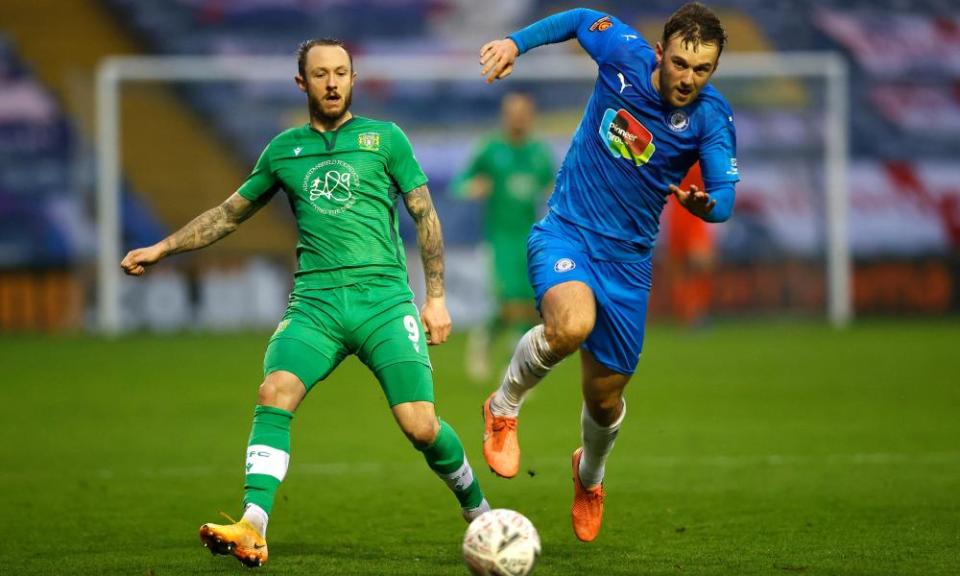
x,y
301,83
658,50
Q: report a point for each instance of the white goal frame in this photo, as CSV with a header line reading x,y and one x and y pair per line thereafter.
x,y
114,71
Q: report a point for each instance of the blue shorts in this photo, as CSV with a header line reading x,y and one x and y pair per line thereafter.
x,y
557,253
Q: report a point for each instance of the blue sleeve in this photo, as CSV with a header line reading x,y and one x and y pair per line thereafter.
x,y
724,193
718,160
589,26
718,147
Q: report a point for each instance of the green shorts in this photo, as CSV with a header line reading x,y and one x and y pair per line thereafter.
x,y
376,320
510,268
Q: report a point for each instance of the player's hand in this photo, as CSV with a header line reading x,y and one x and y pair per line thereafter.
x,y
479,187
497,58
436,320
697,201
136,261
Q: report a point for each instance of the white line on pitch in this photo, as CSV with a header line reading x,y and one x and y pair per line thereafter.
x,y
371,468
716,461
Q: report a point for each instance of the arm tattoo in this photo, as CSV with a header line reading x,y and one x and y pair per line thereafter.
x,y
429,237
213,224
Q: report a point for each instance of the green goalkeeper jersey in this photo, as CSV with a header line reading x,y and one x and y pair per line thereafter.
x,y
343,187
519,175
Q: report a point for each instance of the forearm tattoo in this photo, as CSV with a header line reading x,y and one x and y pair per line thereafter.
x,y
213,224
429,237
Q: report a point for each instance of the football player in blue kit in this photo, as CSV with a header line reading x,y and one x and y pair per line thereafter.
x,y
651,116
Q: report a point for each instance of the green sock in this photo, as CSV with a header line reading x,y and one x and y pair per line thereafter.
x,y
268,454
447,458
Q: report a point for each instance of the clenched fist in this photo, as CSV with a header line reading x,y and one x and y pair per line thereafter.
x,y
136,261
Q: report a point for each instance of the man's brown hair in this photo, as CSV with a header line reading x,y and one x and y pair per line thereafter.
x,y
307,45
695,24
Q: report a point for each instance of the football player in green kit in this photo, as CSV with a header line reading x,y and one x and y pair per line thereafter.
x,y
342,175
512,172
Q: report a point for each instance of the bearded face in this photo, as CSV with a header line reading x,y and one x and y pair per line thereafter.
x,y
328,82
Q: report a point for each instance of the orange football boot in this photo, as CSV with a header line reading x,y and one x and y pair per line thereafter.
x,y
240,539
587,509
501,449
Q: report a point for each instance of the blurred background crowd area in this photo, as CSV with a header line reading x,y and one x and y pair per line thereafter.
x,y
187,146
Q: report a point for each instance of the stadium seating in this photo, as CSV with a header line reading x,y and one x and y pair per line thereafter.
x,y
37,225
880,128
903,205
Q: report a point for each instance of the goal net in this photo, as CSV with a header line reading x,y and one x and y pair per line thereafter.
x,y
785,251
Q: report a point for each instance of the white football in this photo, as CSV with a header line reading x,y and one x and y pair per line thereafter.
x,y
501,543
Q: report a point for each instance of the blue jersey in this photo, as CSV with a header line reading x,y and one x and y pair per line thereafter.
x,y
631,145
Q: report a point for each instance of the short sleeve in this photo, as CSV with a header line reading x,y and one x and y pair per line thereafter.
x,y
402,164
718,148
261,182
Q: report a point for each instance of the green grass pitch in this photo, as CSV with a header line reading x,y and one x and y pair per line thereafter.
x,y
751,448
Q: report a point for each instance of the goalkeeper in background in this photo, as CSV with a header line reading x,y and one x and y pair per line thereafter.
x,y
343,176
511,172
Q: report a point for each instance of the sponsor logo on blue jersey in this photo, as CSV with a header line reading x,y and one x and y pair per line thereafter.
x,y
626,137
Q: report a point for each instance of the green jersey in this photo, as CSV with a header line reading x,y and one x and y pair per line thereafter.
x,y
519,175
343,187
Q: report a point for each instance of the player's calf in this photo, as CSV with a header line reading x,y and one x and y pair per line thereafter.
x,y
447,459
439,443
532,360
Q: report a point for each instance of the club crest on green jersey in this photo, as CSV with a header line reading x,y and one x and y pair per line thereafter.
x,y
330,185
369,141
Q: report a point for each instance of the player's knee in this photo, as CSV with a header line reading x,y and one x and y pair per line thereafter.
x,y
610,406
421,432
567,335
605,409
281,390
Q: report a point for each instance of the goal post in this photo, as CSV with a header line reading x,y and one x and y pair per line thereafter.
x,y
114,72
